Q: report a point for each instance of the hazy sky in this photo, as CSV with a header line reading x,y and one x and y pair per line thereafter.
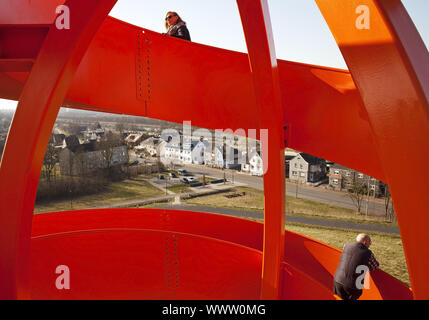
x,y
300,32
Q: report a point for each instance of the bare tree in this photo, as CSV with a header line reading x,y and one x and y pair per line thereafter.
x,y
120,127
388,205
356,192
107,145
50,160
75,129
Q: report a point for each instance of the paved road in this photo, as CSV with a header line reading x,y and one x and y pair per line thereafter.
x,y
306,220
305,192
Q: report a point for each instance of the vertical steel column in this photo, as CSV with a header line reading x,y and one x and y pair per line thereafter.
x,y
390,66
259,38
29,134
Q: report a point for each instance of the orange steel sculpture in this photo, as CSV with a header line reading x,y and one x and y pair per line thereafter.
x,y
103,64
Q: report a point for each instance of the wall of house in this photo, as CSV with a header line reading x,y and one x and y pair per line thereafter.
x,y
298,169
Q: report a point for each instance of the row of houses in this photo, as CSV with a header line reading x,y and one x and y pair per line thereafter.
x,y
300,167
192,151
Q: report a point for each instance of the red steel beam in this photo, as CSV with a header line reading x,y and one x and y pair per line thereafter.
x,y
326,116
389,65
29,133
256,22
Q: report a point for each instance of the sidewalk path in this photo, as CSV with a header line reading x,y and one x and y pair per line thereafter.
x,y
296,219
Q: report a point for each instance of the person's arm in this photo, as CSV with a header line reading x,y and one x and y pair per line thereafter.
x,y
373,263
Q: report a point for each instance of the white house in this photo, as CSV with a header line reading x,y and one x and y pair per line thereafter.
x,y
228,157
199,149
255,163
171,153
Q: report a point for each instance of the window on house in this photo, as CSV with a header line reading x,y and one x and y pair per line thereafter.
x,y
301,166
295,173
302,174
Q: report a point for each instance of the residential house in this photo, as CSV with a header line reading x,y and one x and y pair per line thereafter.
x,y
171,153
152,145
198,150
58,140
228,157
342,178
133,139
307,168
255,163
289,155
81,159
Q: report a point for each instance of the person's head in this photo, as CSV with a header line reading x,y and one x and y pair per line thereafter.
x,y
171,18
364,239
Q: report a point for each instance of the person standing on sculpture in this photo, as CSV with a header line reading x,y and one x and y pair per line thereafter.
x,y
176,27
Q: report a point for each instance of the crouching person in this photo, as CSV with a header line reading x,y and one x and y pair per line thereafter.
x,y
356,259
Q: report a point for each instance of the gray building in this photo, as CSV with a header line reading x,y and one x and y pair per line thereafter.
x,y
82,163
307,168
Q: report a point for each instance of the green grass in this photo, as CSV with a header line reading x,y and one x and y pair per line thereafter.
x,y
254,201
179,188
208,180
115,192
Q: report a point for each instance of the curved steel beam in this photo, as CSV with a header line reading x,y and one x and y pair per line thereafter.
x,y
29,133
256,22
389,64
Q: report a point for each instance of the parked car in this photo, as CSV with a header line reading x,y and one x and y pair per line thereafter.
x,y
191,179
161,177
184,180
172,175
183,172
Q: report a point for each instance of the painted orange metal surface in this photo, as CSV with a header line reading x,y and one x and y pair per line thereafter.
x,y
379,108
28,137
218,95
308,267
262,58
389,65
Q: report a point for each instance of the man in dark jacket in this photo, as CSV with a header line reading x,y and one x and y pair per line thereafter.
x,y
356,259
